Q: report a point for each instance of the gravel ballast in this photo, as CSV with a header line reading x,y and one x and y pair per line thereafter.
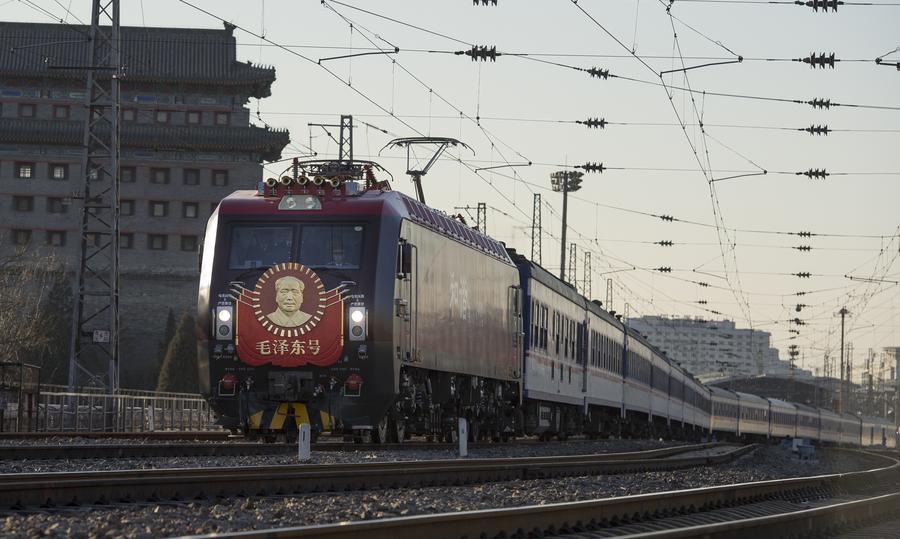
x,y
157,520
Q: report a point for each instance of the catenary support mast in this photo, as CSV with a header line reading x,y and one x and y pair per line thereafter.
x,y
95,324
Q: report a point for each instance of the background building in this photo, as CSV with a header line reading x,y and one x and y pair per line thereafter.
x,y
714,349
186,142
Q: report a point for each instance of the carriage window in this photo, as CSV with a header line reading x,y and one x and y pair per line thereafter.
x,y
260,246
331,246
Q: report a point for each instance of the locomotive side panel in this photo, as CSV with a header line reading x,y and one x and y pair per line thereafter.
x,y
464,313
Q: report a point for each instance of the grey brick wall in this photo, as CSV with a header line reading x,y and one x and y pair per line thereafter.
x,y
154,278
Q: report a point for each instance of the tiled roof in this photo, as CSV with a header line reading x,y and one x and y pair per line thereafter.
x,y
176,55
269,143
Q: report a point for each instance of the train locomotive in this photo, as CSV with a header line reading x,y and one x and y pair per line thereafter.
x,y
355,309
327,298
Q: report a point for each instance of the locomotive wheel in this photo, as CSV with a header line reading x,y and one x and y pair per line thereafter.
x,y
382,430
474,431
400,429
451,436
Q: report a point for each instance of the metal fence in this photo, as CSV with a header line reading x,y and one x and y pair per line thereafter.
x,y
20,383
53,409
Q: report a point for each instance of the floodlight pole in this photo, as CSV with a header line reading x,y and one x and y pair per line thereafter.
x,y
843,312
562,247
565,181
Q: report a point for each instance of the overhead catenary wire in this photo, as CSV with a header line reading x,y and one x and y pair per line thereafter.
x,y
786,172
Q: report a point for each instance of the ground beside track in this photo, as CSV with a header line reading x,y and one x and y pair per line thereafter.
x,y
155,520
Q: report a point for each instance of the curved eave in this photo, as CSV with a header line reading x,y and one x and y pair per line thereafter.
x,y
266,142
258,85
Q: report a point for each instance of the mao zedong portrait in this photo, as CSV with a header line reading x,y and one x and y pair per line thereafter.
x,y
288,298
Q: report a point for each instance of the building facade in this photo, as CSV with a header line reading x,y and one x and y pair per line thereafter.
x,y
713,349
186,142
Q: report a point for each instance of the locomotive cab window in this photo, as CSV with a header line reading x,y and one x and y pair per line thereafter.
x,y
328,246
260,246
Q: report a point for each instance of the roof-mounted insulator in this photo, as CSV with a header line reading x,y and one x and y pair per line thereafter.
x,y
599,73
824,5
881,62
814,174
819,103
596,123
592,167
816,130
822,60
481,52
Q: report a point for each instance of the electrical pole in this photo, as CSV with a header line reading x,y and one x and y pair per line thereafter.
x,y
536,230
573,265
565,181
586,279
843,312
95,320
481,217
609,294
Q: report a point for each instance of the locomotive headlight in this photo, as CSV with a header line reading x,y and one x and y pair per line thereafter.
x,y
357,323
223,327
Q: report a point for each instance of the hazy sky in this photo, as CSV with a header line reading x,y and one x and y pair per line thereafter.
x,y
528,106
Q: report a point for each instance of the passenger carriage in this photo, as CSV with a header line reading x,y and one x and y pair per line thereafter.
x,y
782,419
829,427
851,430
725,411
808,422
754,416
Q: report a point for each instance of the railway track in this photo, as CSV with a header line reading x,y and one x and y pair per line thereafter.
x,y
152,435
227,448
795,507
33,490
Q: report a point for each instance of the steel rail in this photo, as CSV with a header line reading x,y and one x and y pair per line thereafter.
x,y
153,435
234,447
19,491
813,522
586,516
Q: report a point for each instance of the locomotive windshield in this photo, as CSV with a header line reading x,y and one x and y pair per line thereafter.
x,y
330,246
321,246
260,246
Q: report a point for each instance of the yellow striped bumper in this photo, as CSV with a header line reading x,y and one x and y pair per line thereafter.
x,y
289,416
